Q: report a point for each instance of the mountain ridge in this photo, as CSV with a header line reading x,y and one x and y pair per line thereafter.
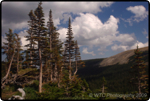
x,y
120,58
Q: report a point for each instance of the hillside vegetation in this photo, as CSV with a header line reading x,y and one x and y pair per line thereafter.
x,y
117,73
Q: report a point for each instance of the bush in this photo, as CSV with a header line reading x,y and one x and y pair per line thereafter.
x,y
50,92
30,93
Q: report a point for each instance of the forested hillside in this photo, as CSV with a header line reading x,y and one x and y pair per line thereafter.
x,y
117,75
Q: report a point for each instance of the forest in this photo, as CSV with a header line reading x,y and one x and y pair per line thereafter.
x,y
53,70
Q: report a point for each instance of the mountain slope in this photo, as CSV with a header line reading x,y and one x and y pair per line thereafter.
x,y
117,75
121,58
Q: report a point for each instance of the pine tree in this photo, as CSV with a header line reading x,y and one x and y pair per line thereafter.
x,y
31,46
69,49
103,84
41,30
9,45
50,32
18,51
9,50
138,72
78,62
54,50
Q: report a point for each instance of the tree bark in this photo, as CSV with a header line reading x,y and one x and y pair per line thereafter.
x,y
55,73
40,78
17,61
103,89
5,77
139,86
69,67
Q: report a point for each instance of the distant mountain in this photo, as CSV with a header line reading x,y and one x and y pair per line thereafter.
x,y
116,70
121,58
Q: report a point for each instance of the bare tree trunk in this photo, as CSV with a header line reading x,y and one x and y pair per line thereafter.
x,y
55,73
103,89
75,70
59,76
51,73
17,61
6,76
40,79
139,86
69,67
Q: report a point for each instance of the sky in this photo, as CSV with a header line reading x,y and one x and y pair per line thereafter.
x,y
102,29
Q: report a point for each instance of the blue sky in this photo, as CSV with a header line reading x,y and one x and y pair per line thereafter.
x,y
102,29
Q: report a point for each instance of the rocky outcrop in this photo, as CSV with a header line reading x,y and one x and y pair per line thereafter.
x,y
121,58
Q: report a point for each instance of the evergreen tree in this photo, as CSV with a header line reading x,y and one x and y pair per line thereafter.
x,y
55,51
26,61
31,46
138,72
40,32
9,51
9,45
50,32
18,51
69,49
103,84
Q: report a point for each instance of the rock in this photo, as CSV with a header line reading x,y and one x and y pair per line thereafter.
x,y
17,97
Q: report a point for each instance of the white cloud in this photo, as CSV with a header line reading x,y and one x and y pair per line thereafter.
x,y
23,39
89,30
86,52
145,32
119,48
140,45
3,40
101,53
15,14
126,39
139,12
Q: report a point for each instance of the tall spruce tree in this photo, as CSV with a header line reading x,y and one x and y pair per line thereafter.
x,y
55,52
78,62
9,48
18,51
31,49
50,32
139,73
40,32
69,49
9,45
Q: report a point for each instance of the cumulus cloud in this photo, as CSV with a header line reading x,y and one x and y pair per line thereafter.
x,y
101,53
89,30
84,51
120,48
23,39
139,12
140,45
144,32
16,13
